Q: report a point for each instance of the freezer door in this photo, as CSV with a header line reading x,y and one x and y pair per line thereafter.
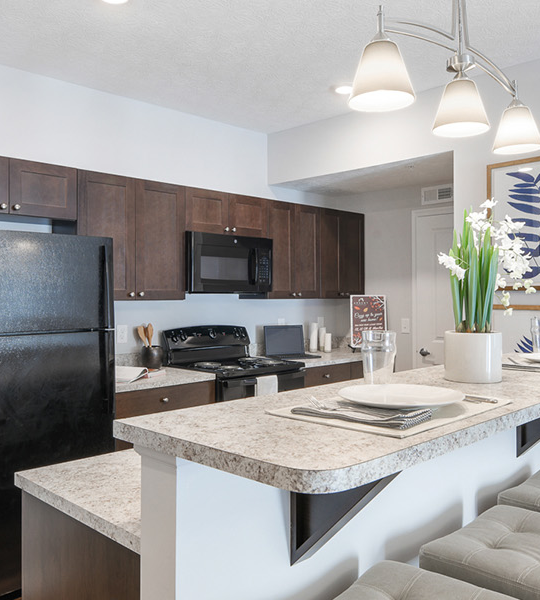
x,y
54,282
56,404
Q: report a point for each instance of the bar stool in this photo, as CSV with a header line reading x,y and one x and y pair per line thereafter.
x,y
390,580
525,495
499,550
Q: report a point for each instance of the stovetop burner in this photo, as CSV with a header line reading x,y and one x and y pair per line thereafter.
x,y
220,349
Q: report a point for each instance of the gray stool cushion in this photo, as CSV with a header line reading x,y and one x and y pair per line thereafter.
x,y
526,495
499,550
389,580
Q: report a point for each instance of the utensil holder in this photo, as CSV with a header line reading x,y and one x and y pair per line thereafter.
x,y
152,357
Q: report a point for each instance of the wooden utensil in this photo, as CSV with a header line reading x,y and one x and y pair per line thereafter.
x,y
149,333
142,335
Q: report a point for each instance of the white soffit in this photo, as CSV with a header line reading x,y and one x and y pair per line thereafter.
x,y
421,171
264,65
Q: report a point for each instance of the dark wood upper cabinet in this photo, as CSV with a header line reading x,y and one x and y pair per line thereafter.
x,y
294,231
160,228
146,221
342,253
281,231
219,212
36,189
107,208
248,216
206,210
306,252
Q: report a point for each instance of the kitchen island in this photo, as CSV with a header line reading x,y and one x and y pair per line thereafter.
x,y
216,484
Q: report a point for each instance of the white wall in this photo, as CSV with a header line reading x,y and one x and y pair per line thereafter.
x,y
357,140
388,255
46,120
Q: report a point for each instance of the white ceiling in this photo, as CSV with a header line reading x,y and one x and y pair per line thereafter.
x,y
265,65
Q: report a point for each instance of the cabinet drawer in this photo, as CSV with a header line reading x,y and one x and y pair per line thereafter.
x,y
144,402
328,374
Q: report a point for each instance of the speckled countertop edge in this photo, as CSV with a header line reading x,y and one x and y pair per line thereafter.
x,y
101,492
303,457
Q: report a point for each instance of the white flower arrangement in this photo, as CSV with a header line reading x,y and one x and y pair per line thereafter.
x,y
474,264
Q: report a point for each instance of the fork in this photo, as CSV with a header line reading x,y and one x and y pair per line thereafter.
x,y
383,413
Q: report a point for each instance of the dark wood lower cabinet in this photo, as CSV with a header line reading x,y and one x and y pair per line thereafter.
x,y
64,559
333,373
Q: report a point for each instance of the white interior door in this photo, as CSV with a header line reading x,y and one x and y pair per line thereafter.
x,y
432,301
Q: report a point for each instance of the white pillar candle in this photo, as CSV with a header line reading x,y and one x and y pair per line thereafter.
x,y
322,333
328,342
313,337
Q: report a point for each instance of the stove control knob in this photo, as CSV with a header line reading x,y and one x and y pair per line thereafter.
x,y
236,333
212,333
174,339
183,336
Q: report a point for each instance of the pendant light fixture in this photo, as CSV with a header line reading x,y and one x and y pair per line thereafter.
x,y
382,84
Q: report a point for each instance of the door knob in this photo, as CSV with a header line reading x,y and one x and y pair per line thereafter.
x,y
233,229
3,206
141,294
16,207
424,352
227,228
131,294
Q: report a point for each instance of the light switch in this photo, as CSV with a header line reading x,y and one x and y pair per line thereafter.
x,y
405,325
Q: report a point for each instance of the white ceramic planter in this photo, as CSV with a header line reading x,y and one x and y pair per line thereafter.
x,y
473,357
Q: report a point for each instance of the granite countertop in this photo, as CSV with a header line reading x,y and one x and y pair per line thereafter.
x,y
239,437
102,492
172,377
183,376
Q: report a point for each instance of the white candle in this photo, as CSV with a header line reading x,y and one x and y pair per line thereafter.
x,y
328,342
313,337
322,333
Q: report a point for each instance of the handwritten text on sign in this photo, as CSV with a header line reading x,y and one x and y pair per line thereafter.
x,y
367,312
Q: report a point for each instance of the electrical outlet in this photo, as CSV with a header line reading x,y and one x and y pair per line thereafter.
x,y
405,325
121,334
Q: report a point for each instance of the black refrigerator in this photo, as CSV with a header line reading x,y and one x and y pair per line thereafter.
x,y
56,365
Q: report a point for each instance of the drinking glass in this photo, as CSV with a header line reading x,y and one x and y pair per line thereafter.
x,y
535,334
378,354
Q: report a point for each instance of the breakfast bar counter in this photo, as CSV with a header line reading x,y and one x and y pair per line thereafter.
x,y
222,479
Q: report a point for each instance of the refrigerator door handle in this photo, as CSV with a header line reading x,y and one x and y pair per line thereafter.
x,y
108,308
107,371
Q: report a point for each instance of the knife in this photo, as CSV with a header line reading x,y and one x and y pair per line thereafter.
x,y
472,398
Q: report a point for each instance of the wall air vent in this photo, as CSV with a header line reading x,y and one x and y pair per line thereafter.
x,y
438,194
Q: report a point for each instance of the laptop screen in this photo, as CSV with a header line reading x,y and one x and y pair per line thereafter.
x,y
282,340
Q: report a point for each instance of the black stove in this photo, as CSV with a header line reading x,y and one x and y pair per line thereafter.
x,y
224,351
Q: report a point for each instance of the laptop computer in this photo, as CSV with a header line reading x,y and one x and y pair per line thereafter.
x,y
285,341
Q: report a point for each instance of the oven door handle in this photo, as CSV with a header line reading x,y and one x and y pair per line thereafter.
x,y
240,382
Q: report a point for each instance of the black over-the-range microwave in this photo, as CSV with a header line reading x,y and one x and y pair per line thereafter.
x,y
228,264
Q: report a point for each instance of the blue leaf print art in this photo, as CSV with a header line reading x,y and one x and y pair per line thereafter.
x,y
523,196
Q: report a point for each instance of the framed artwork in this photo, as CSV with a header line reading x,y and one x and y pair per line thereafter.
x,y
515,185
367,312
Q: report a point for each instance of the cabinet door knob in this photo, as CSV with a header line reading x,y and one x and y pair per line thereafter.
x,y
3,206
141,294
326,375
131,294
233,229
293,294
227,228
164,400
300,293
16,207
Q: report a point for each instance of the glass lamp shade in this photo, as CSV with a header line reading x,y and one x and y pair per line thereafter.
x,y
461,112
518,132
381,82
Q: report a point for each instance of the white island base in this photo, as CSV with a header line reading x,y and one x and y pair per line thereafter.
x,y
208,534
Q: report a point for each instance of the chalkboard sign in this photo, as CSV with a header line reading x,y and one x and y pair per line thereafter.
x,y
367,312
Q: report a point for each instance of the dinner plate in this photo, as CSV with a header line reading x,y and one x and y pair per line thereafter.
x,y
401,395
532,357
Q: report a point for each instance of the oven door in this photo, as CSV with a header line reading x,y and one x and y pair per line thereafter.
x,y
233,389
245,387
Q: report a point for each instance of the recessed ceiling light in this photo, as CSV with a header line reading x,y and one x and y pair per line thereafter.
x,y
343,89
115,1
